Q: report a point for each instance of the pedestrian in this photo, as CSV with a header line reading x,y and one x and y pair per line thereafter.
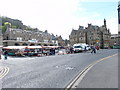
x,y
71,50
51,51
97,47
54,51
85,49
93,49
5,54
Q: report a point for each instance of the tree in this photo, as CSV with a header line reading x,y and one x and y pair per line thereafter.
x,y
5,26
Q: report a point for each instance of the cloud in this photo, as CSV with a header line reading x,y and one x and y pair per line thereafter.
x,y
54,15
113,25
57,16
99,0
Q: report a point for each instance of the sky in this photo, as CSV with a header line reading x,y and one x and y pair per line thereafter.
x,y
61,16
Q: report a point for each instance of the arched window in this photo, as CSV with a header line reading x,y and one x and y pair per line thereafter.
x,y
32,44
39,44
51,45
45,45
17,44
24,44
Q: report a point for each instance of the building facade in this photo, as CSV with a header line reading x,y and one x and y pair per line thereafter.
x,y
19,37
92,35
115,39
73,37
61,42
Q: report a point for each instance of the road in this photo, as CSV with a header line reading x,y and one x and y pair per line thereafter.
x,y
103,75
50,71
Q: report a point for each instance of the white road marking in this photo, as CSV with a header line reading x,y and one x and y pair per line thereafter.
x,y
4,72
79,76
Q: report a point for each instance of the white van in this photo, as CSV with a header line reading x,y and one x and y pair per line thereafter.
x,y
78,48
86,46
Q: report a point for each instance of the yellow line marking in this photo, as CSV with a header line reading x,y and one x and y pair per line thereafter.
x,y
78,75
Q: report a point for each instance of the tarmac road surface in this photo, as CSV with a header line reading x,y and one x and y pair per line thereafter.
x,y
50,71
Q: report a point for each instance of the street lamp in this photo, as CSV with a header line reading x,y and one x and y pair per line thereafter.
x,y
119,15
102,41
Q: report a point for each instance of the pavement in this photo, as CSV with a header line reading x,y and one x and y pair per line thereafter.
x,y
103,75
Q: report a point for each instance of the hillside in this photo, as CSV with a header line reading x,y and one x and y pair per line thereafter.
x,y
14,23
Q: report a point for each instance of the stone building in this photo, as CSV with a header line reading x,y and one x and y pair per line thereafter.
x,y
55,39
58,40
73,37
61,42
25,37
81,34
115,39
78,36
92,35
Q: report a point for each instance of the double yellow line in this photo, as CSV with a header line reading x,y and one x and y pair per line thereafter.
x,y
79,76
4,72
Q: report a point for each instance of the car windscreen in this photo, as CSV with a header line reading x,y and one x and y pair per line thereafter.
x,y
77,47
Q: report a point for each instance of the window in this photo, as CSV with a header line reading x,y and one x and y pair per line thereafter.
x,y
77,47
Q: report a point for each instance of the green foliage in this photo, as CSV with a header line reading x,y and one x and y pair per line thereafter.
x,y
4,28
13,26
14,23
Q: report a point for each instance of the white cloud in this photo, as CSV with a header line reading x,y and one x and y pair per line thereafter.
x,y
54,15
57,16
113,25
99,0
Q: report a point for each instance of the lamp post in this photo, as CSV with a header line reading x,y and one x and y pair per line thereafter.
x,y
118,15
102,40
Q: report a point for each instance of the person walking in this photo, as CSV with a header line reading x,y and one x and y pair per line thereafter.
x,y
93,49
6,54
85,49
71,50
